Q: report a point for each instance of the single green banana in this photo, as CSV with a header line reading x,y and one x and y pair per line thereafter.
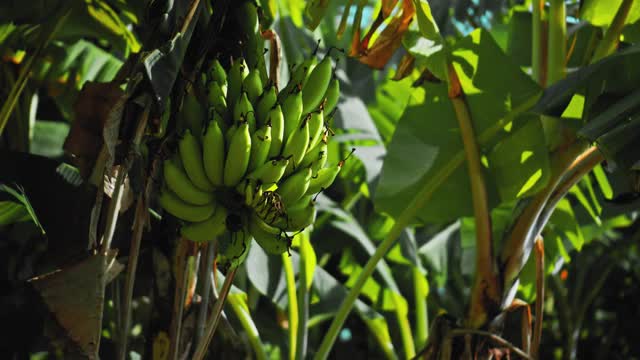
x,y
300,217
276,119
268,237
213,153
216,73
316,86
192,115
294,187
178,182
242,108
237,73
299,76
209,229
180,209
266,102
331,96
191,156
237,160
292,110
217,98
297,145
324,178
234,248
260,143
270,172
316,127
253,85
316,157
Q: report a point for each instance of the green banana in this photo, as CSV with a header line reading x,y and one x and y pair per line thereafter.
x,y
209,229
294,187
216,73
192,115
297,145
270,172
331,96
324,178
260,143
216,97
237,160
266,102
253,85
300,217
268,237
316,86
236,75
299,76
191,156
316,157
276,119
316,125
292,110
234,247
213,153
180,209
178,182
242,108
228,135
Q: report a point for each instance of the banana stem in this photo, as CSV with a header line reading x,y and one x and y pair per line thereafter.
x,y
537,43
242,312
540,290
203,345
485,291
293,304
611,38
179,297
206,285
303,299
422,315
557,51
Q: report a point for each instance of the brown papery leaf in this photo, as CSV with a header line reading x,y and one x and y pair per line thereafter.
x,y
91,111
75,297
390,39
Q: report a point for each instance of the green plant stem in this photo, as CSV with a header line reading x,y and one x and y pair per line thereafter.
x,y
405,331
557,52
611,38
540,291
242,312
303,298
46,36
179,299
421,198
422,315
293,304
430,185
203,345
537,43
206,287
485,291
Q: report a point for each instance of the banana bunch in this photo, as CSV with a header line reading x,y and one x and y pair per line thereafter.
x,y
251,159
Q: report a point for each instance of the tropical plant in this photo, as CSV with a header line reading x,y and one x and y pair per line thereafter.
x,y
490,208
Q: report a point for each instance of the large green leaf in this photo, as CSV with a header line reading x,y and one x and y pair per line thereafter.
x,y
427,137
602,12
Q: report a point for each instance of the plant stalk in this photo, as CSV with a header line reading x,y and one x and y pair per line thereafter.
x,y
303,298
612,37
179,297
293,304
203,345
422,315
557,52
485,294
537,43
206,291
242,312
540,291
